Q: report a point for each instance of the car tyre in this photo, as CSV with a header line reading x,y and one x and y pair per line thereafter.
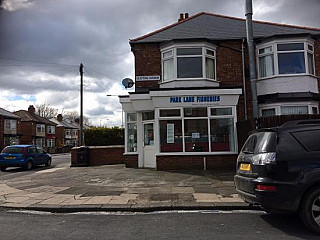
x,y
48,163
29,165
3,169
310,210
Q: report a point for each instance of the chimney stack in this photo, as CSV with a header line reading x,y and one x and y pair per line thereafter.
x,y
183,17
59,117
31,109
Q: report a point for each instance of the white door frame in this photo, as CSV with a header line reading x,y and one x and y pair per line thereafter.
x,y
149,151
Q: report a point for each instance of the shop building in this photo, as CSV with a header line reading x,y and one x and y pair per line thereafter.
x,y
192,87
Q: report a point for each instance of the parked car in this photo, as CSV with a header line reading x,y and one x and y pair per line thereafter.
x,y
279,169
25,156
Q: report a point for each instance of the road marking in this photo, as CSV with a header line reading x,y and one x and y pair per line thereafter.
x,y
51,170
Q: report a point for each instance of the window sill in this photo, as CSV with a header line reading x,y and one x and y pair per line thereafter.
x,y
190,79
286,75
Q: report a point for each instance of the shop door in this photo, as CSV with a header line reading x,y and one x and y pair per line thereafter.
x,y
149,158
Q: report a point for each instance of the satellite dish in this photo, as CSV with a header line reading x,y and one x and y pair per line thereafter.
x,y
127,83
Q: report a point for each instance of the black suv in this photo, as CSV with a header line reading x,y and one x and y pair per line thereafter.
x,y
279,169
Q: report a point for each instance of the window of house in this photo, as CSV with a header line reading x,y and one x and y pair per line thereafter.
x,y
51,143
51,129
40,128
131,132
314,110
188,62
10,124
293,110
268,112
11,141
74,132
40,142
68,132
200,129
279,58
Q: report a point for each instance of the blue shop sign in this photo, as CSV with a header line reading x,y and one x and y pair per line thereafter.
x,y
193,99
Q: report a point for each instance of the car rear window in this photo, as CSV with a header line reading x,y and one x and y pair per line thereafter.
x,y
260,142
309,139
12,150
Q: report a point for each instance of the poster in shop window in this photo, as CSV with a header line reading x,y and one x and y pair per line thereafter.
x,y
170,133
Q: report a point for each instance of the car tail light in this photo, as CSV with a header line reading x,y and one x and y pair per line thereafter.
x,y
24,152
266,188
263,158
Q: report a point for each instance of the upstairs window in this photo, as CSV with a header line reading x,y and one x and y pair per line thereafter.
x,y
40,128
189,62
51,130
279,58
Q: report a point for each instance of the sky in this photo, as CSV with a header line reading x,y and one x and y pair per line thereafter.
x,y
43,42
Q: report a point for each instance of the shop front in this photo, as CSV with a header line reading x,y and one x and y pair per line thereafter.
x,y
181,129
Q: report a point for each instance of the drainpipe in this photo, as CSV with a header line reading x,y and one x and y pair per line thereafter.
x,y
252,65
244,81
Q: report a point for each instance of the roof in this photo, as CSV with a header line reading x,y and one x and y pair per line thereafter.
x,y
27,117
218,27
7,114
64,123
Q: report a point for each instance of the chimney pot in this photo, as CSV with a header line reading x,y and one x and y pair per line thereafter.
x,y
186,15
181,17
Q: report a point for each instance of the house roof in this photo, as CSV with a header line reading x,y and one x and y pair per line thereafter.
x,y
27,117
7,114
64,123
218,27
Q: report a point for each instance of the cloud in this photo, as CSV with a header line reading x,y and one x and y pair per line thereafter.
x,y
13,5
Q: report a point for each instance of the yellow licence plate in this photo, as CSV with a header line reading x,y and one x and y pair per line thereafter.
x,y
9,157
245,166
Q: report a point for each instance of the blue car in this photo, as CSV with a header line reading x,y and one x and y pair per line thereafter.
x,y
25,156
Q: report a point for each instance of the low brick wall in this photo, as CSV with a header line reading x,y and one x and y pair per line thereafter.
x,y
131,160
183,162
101,155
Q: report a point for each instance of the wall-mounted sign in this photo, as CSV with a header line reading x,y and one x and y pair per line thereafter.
x,y
195,135
147,78
196,99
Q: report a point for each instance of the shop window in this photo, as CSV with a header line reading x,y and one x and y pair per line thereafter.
x,y
190,133
196,135
188,62
170,113
148,116
291,58
171,136
222,135
131,132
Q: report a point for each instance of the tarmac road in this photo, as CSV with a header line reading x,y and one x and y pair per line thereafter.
x,y
156,225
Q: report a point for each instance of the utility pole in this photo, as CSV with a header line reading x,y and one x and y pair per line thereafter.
x,y
81,104
252,65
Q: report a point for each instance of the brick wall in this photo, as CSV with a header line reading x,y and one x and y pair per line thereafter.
x,y
147,63
183,162
27,131
1,132
131,160
60,136
317,62
104,155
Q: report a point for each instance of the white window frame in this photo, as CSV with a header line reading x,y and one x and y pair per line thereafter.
x,y
68,133
277,106
10,124
173,47
127,121
274,44
51,142
51,129
42,128
208,118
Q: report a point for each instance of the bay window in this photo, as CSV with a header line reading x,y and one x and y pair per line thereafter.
x,y
188,62
283,58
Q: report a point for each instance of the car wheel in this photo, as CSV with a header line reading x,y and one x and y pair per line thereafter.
x,y
48,163
29,165
3,169
310,210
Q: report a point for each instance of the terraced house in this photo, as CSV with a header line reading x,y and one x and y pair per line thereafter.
x,y
8,128
192,87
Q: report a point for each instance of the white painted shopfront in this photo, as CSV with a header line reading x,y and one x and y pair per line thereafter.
x,y
180,122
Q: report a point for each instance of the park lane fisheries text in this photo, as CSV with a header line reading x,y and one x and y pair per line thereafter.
x,y
195,99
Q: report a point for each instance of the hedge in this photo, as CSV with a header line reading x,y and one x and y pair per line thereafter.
x,y
103,136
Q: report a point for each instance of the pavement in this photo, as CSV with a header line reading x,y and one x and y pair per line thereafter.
x,y
61,188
